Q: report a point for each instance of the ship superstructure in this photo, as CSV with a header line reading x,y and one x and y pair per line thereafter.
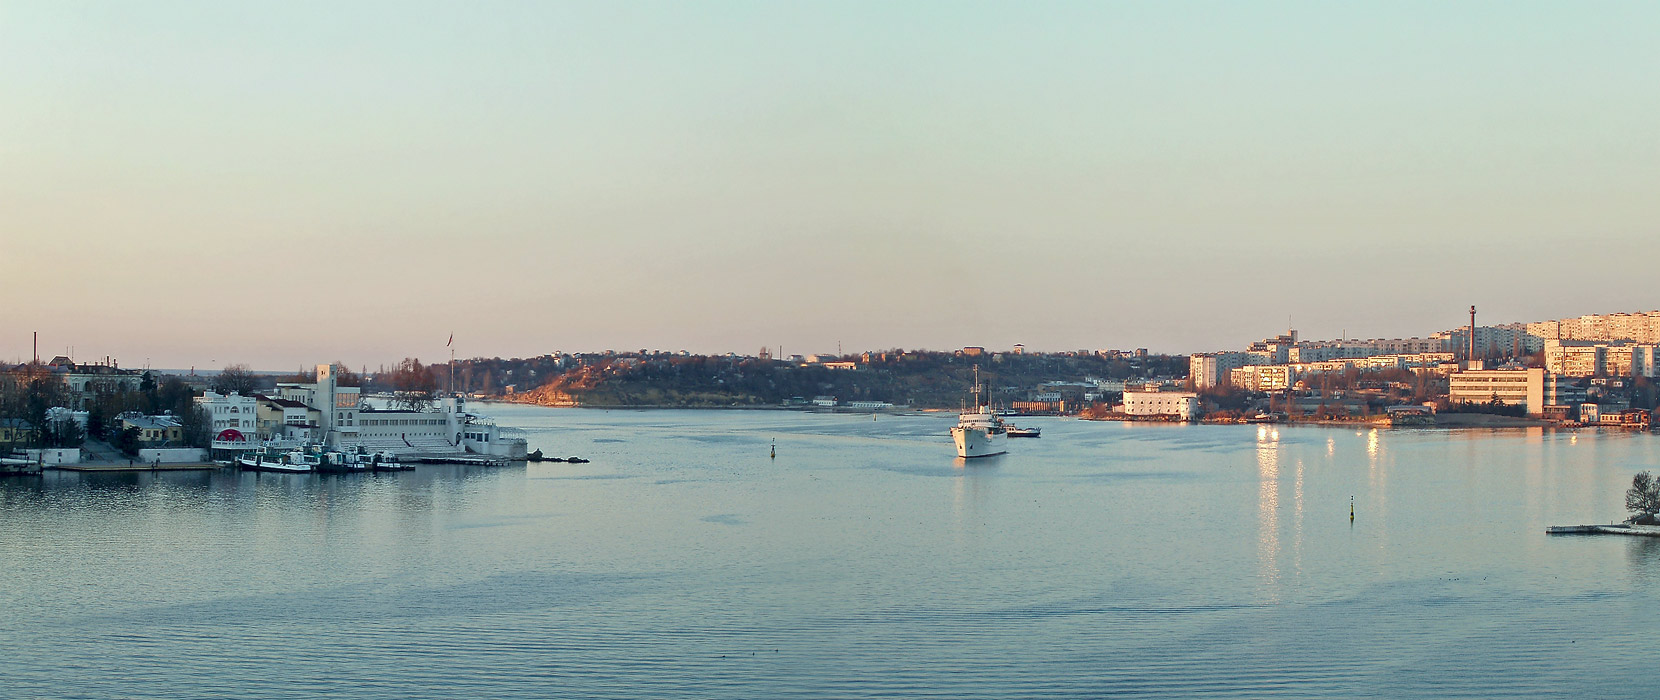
x,y
979,432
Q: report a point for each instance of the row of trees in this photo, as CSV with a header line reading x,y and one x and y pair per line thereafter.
x,y
412,384
27,396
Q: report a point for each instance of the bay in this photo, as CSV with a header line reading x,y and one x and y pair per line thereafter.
x,y
1103,559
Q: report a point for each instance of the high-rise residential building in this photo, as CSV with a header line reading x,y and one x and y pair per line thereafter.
x,y
1638,327
1593,358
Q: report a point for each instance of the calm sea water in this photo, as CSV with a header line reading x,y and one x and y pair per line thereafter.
x,y
1103,559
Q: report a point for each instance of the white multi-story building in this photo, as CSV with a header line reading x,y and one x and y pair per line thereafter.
x,y
1639,327
337,416
1533,388
1593,358
1183,405
286,418
1275,350
1263,377
339,404
234,417
1211,369
1320,351
86,381
1493,342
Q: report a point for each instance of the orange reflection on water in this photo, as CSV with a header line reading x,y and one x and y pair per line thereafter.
x,y
1268,504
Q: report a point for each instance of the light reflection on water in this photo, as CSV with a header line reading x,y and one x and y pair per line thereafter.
x,y
1101,559
1268,506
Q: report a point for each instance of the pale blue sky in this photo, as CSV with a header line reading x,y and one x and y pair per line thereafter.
x,y
284,183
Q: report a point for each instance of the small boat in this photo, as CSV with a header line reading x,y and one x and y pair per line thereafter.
x,y
19,467
1015,432
290,462
335,462
385,462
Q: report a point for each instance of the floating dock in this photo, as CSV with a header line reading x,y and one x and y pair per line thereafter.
x,y
1633,530
137,467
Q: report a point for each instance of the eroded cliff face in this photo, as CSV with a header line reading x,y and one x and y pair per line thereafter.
x,y
545,396
563,391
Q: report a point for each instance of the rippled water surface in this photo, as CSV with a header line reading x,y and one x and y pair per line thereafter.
x,y
1101,559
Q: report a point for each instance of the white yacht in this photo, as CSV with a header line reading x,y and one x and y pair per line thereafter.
x,y
979,433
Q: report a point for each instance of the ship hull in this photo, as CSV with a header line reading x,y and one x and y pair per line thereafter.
x,y
978,442
275,467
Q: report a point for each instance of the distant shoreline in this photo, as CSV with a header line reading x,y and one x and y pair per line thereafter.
x,y
1444,421
669,407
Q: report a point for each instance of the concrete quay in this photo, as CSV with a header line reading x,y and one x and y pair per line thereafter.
x,y
138,467
1632,530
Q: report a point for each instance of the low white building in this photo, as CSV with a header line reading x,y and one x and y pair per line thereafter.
x,y
1183,405
61,416
1110,386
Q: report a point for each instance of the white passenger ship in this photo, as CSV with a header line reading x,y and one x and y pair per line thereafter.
x,y
979,433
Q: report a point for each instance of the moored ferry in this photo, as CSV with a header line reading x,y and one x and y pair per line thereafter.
x,y
283,461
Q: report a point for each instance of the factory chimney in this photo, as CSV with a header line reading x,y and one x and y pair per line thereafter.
x,y
1470,355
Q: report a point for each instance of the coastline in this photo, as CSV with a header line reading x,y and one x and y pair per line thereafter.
x,y
1443,421
672,407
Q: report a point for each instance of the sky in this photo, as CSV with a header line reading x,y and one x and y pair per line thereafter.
x,y
287,183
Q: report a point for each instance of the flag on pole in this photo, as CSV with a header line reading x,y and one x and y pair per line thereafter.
x,y
451,340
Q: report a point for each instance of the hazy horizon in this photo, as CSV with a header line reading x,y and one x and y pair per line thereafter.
x,y
198,184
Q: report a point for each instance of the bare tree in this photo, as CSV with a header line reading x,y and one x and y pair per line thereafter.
x,y
1643,498
344,376
235,378
413,385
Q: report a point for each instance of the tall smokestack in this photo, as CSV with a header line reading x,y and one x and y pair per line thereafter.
x,y
1472,354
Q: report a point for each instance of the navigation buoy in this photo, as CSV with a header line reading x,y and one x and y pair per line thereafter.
x,y
774,449
1351,509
